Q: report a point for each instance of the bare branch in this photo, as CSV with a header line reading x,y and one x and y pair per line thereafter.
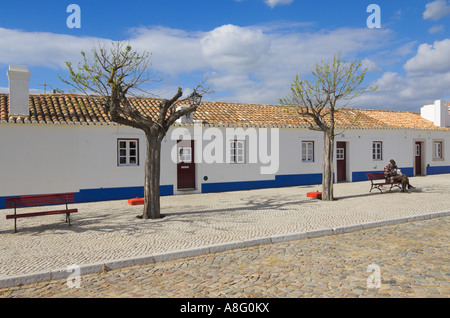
x,y
116,71
338,80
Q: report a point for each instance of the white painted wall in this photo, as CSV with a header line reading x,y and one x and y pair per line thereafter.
x,y
360,142
397,144
38,159
46,158
289,155
98,158
438,113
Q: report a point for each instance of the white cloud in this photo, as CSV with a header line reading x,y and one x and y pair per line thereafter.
x,y
173,51
289,54
370,65
409,92
274,3
436,10
427,79
235,49
437,29
405,49
41,48
257,64
431,58
252,64
5,90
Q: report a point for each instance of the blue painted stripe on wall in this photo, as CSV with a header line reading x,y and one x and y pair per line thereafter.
x,y
408,171
361,175
298,179
107,194
280,181
235,186
438,170
93,195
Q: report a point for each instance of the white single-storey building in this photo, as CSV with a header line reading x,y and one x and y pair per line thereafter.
x,y
52,143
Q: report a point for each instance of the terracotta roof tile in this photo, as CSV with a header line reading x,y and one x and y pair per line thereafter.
x,y
78,109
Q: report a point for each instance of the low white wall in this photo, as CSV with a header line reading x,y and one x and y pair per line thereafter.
x,y
37,158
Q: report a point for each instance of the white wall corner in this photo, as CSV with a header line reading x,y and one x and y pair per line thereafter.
x,y
441,113
19,92
427,112
438,113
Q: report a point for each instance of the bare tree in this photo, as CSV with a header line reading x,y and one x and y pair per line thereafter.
x,y
317,101
114,73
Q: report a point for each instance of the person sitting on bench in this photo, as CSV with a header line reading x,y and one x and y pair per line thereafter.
x,y
392,173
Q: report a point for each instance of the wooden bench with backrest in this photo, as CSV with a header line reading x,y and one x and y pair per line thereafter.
x,y
39,200
373,177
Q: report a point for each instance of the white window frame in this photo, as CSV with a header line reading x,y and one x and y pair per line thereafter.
x,y
418,149
126,152
237,151
438,150
377,150
307,151
185,154
340,154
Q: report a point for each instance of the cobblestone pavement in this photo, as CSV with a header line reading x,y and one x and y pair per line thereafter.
x,y
412,258
108,231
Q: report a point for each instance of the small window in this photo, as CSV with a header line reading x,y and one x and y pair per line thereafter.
x,y
128,152
437,150
307,151
377,150
237,151
340,154
418,153
185,154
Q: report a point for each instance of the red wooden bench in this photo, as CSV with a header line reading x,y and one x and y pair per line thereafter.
x,y
39,200
373,177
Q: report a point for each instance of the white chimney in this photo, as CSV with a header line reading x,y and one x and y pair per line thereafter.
x,y
185,119
438,113
19,79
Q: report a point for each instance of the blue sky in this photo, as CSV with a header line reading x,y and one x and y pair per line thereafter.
x,y
247,50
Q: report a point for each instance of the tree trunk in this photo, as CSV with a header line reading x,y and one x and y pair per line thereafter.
x,y
152,177
328,169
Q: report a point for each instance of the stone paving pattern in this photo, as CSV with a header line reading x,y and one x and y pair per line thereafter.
x,y
413,260
110,230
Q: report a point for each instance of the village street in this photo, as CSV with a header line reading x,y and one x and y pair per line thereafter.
x,y
396,258
413,261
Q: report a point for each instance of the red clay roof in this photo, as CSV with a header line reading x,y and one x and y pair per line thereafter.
x,y
78,109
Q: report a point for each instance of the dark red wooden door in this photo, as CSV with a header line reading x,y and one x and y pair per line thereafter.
x,y
341,159
186,164
418,161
